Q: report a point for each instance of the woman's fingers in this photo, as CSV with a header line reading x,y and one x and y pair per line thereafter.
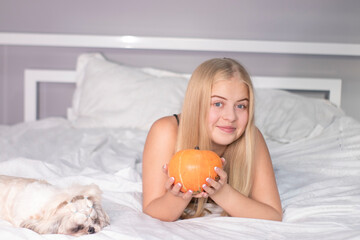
x,y
222,174
212,183
210,188
214,186
176,189
169,183
223,161
165,169
187,195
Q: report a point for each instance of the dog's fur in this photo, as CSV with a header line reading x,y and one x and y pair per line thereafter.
x,y
46,209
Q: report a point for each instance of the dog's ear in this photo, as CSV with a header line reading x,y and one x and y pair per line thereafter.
x,y
94,194
42,226
102,218
91,190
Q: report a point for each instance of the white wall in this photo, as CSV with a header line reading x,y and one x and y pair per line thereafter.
x,y
306,20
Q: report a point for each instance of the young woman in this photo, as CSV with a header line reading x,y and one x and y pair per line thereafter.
x,y
217,115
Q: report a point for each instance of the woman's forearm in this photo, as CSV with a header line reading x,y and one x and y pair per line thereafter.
x,y
166,208
238,205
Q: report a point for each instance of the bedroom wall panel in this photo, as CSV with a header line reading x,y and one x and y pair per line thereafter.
x,y
2,84
306,20
18,59
54,99
280,20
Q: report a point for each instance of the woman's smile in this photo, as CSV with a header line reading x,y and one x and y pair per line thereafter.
x,y
227,129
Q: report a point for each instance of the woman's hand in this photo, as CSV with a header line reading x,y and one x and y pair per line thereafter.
x,y
214,186
175,188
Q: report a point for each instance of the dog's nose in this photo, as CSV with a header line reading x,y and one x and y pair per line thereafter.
x,y
91,230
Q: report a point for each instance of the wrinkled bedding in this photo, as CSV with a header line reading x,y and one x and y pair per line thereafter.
x,y
318,180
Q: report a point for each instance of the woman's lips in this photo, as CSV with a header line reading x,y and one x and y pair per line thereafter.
x,y
227,129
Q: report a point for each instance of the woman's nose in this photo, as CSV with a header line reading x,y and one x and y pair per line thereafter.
x,y
229,114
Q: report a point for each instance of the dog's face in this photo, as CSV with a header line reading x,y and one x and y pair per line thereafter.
x,y
81,215
78,214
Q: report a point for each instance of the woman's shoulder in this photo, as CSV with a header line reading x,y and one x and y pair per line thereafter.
x,y
165,126
166,122
162,133
258,135
262,151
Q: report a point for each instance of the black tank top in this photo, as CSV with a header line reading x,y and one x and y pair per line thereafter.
x,y
177,118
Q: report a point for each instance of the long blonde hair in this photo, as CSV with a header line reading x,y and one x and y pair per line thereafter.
x,y
193,126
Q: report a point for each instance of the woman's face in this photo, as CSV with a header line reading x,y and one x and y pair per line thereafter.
x,y
228,115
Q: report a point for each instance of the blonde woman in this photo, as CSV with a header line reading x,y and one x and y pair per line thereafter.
x,y
217,115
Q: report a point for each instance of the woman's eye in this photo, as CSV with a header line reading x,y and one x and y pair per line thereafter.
x,y
218,104
241,106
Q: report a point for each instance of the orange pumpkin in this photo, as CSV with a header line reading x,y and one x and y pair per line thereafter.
x,y
191,167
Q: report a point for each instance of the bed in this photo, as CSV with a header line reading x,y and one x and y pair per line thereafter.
x,y
314,146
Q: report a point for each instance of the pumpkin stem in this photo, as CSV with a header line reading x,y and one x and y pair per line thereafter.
x,y
197,148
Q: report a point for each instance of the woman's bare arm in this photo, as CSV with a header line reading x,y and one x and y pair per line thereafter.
x,y
159,202
264,201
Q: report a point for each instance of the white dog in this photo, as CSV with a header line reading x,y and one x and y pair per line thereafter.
x,y
46,209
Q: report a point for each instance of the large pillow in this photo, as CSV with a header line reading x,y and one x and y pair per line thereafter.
x,y
287,117
113,95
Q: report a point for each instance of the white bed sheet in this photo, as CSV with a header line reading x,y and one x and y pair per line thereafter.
x,y
318,180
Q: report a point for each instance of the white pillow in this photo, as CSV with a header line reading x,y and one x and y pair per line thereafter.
x,y
113,95
287,117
